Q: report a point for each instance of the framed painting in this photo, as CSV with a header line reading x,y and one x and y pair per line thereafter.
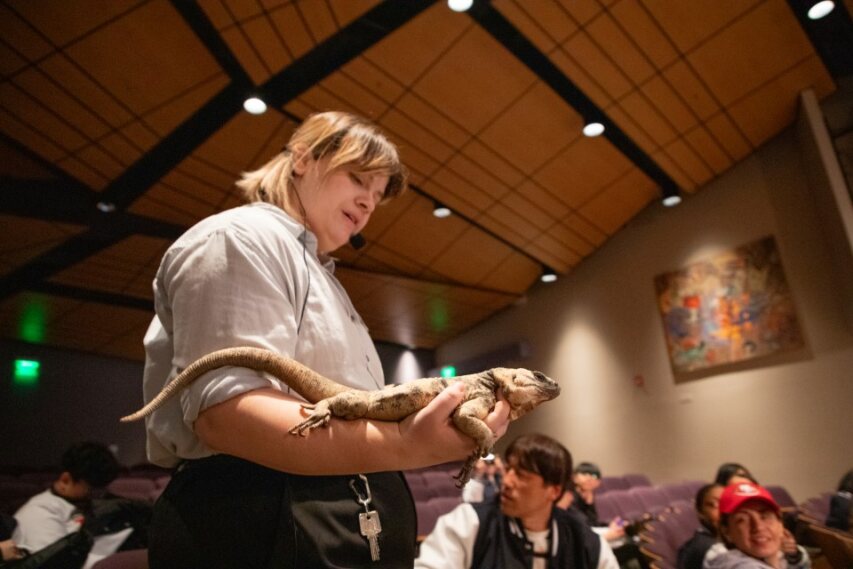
x,y
733,307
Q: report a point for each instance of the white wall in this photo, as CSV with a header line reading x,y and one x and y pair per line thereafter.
x,y
788,418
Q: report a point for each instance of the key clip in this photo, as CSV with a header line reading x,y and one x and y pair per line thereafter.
x,y
363,500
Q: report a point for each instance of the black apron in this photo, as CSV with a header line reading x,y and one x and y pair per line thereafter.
x,y
225,512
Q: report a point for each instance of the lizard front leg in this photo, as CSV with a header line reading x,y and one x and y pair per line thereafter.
x,y
468,418
348,405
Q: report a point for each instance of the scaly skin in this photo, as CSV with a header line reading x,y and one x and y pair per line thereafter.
x,y
523,390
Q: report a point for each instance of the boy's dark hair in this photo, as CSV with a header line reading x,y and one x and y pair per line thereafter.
x,y
729,469
541,455
91,462
703,491
846,484
588,468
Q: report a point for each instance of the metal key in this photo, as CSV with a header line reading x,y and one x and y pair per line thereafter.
x,y
368,520
370,527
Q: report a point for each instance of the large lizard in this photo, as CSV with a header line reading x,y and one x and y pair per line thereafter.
x,y
523,390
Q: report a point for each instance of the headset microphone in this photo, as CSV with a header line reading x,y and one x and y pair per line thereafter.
x,y
357,241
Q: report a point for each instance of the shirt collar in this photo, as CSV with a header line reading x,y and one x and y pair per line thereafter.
x,y
300,232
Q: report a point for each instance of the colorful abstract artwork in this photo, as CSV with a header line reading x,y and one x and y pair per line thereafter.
x,y
733,307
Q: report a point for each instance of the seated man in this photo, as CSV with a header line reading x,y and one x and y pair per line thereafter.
x,y
751,527
525,528
66,507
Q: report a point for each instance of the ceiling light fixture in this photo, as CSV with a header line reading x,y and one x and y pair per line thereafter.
x,y
671,200
106,207
548,275
592,129
440,210
255,106
821,9
459,5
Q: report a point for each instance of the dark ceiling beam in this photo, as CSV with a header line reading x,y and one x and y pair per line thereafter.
x,y
502,30
831,36
351,41
100,297
346,44
55,200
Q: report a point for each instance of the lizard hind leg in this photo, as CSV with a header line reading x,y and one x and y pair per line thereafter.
x,y
319,416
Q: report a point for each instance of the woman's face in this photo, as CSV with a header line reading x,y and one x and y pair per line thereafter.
x,y
337,204
711,506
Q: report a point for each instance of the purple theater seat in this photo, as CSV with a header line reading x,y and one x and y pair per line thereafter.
x,y
132,559
628,506
610,483
673,492
427,516
606,506
14,493
817,508
134,488
782,497
444,504
636,480
653,500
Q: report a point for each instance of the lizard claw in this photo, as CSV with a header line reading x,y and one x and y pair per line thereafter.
x,y
465,472
319,416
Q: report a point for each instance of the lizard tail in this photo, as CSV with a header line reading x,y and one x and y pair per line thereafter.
x,y
305,381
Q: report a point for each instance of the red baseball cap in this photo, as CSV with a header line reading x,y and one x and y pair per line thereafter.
x,y
735,495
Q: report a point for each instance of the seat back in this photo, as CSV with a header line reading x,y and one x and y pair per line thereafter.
x,y
131,559
782,497
609,483
635,480
652,499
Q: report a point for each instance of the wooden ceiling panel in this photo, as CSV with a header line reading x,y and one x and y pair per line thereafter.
x,y
568,258
518,229
292,31
630,126
345,11
764,112
688,24
121,148
571,239
582,170
83,172
673,170
40,118
29,316
472,258
381,84
164,118
138,133
474,175
514,274
649,119
546,24
498,166
23,239
625,53
493,80
319,18
127,345
589,85
613,207
461,189
711,151
543,199
434,119
387,214
62,22
14,164
776,43
598,66
520,203
730,136
684,80
267,43
10,61
416,135
689,161
140,68
127,267
637,22
669,104
533,129
410,51
420,236
89,325
24,39
250,60
583,11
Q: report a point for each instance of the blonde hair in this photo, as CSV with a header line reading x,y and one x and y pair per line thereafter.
x,y
347,140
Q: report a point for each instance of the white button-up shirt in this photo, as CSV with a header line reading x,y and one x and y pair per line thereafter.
x,y
249,276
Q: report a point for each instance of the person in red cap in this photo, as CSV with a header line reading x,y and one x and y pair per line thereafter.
x,y
751,527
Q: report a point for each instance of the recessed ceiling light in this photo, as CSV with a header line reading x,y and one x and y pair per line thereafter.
x,y
106,207
441,211
459,5
670,201
548,275
593,129
821,9
255,106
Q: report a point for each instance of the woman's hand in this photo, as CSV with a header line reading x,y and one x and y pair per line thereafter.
x,y
432,432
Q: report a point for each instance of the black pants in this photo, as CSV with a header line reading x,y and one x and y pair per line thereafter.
x,y
224,512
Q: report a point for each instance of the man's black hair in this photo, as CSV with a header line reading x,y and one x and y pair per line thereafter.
x,y
91,462
588,468
729,469
541,455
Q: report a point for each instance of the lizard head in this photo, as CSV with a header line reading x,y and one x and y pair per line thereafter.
x,y
523,389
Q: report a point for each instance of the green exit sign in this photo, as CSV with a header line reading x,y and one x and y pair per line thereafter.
x,y
448,371
26,372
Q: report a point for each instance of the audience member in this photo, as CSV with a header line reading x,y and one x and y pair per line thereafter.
x,y
692,553
731,472
8,549
485,483
752,530
66,507
523,529
587,479
841,505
